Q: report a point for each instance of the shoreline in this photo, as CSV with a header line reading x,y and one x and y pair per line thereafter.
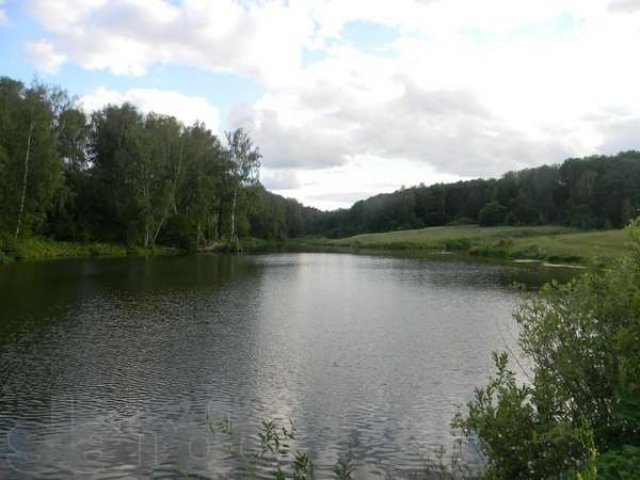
x,y
38,249
547,246
551,246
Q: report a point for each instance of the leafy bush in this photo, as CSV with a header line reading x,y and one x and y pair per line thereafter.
x,y
180,232
583,394
622,464
492,214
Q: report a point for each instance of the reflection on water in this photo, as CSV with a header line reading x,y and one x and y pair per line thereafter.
x,y
109,366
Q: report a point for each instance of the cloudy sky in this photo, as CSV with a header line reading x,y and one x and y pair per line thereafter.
x,y
347,98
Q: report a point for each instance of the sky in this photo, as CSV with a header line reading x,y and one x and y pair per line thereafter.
x,y
349,98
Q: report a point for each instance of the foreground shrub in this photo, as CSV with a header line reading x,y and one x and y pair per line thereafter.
x,y
578,415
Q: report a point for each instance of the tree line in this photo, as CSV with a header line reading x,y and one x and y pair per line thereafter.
x,y
596,192
118,175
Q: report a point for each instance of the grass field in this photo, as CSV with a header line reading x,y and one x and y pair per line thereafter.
x,y
546,243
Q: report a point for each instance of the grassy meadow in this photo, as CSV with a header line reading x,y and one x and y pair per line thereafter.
x,y
544,243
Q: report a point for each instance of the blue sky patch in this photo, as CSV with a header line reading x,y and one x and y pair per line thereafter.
x,y
369,37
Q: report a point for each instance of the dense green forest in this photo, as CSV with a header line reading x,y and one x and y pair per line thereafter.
x,y
123,177
593,192
120,176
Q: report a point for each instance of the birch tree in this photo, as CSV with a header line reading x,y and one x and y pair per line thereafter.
x,y
161,161
32,167
202,175
117,154
244,165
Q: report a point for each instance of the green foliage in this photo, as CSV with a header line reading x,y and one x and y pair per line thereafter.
x,y
492,214
272,450
30,157
303,468
583,394
344,467
274,438
590,193
180,231
5,257
37,249
243,167
619,464
125,177
517,441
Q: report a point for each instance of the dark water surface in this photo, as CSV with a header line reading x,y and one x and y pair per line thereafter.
x,y
108,367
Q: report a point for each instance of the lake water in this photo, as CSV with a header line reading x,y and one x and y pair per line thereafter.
x,y
109,367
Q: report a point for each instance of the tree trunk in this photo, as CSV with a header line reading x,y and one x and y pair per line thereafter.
x,y
24,181
155,236
220,219
233,216
177,177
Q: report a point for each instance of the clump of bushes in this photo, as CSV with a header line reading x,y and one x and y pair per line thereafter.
x,y
578,414
492,214
39,248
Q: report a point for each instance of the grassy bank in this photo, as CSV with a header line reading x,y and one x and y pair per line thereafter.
x,y
546,243
43,249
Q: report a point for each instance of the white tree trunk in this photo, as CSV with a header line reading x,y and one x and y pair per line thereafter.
x,y
24,181
233,216
155,235
177,178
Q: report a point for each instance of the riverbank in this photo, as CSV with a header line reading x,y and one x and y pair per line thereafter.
x,y
551,244
34,249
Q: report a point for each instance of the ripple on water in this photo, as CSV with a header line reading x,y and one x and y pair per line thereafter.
x,y
112,376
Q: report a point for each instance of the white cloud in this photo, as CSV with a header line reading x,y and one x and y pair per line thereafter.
x,y
625,5
4,20
466,88
461,106
354,104
126,37
44,55
188,109
340,186
61,15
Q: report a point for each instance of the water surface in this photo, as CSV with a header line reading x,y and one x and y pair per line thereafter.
x,y
108,367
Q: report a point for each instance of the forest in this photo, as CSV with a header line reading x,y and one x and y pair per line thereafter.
x,y
598,192
120,176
